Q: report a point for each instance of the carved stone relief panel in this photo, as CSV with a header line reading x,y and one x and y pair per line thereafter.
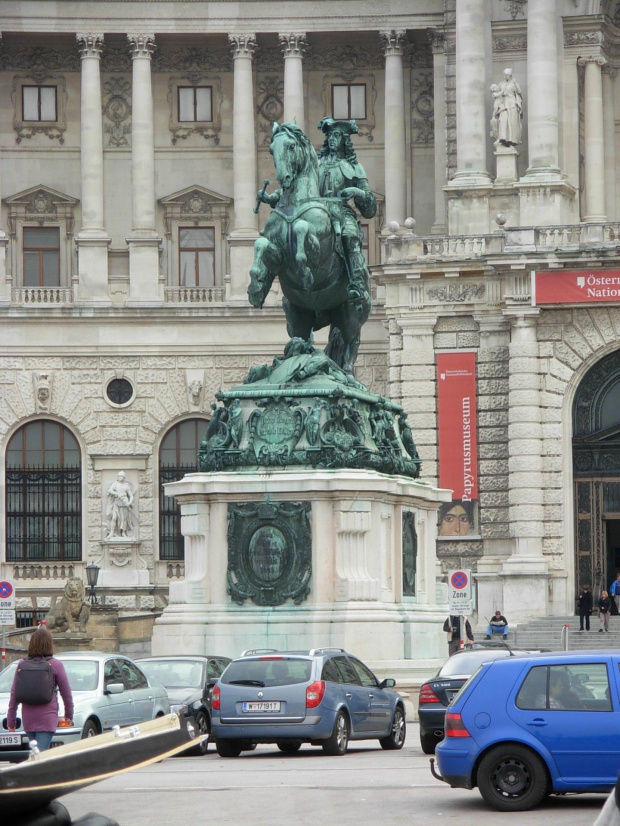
x,y
117,112
270,104
349,60
39,61
193,61
422,107
410,554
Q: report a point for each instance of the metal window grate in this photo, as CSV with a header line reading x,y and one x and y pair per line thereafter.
x,y
43,514
171,540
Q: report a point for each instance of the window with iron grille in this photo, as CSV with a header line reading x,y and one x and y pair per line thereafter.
x,y
178,455
43,494
28,619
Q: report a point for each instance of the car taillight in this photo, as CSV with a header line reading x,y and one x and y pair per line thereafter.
x,y
215,698
427,695
315,693
454,726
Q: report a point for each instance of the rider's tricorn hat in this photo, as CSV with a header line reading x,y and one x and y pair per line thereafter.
x,y
347,127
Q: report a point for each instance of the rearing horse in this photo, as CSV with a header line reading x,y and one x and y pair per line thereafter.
x,y
300,246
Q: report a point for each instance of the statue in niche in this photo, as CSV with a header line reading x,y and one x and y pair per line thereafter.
x,y
507,111
122,520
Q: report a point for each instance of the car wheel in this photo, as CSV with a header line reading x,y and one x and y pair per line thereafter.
x,y
512,778
90,729
204,727
228,748
398,732
428,743
338,741
290,747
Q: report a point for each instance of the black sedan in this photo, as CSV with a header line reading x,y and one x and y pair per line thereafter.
x,y
436,694
186,679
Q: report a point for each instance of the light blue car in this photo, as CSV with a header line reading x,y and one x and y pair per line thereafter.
x,y
108,690
324,697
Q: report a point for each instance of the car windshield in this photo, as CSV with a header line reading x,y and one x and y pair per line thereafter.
x,y
6,678
83,674
268,671
173,673
468,662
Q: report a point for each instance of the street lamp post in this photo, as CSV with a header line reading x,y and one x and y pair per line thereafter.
x,y
92,575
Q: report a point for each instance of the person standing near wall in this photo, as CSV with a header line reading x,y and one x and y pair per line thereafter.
x,y
584,607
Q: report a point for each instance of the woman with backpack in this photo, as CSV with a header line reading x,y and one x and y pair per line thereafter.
x,y
38,678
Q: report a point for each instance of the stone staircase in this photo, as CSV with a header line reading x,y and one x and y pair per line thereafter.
x,y
546,633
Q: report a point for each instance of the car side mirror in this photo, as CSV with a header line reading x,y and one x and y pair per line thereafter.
x,y
114,688
387,683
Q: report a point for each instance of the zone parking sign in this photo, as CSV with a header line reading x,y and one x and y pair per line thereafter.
x,y
7,602
460,592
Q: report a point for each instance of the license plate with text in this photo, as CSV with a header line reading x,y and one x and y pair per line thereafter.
x,y
10,739
273,705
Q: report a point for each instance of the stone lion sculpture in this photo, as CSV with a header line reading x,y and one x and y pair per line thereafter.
x,y
70,613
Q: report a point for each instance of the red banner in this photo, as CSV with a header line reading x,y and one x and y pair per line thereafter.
x,y
576,287
456,403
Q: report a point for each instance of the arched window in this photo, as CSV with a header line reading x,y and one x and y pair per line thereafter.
x,y
178,455
43,494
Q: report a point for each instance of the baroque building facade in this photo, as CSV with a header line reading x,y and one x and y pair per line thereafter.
x,y
133,139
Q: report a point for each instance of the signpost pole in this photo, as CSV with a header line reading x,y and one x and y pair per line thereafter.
x,y
3,666
461,640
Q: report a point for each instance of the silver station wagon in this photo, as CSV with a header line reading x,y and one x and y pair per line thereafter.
x,y
324,697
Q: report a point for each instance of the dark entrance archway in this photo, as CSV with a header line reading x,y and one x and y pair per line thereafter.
x,y
596,473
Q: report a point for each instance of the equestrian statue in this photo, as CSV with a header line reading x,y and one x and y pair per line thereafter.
x,y
312,240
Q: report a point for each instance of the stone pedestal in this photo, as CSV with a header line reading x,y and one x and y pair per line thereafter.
x,y
468,206
121,563
505,163
294,559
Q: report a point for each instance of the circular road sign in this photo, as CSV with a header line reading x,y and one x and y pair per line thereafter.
x,y
6,589
459,580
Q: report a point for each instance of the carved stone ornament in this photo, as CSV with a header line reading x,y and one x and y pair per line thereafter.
x,y
141,45
198,205
115,59
393,42
422,107
120,555
269,552
270,105
195,391
193,61
117,112
410,554
348,60
40,62
90,45
242,45
293,44
516,7
43,391
456,294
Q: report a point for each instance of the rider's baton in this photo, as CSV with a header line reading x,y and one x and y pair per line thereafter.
x,y
259,197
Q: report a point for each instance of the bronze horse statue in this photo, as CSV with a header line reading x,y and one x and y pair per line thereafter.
x,y
301,245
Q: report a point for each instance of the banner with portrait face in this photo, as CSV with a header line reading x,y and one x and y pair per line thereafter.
x,y
457,437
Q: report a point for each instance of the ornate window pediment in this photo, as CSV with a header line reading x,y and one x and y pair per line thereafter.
x,y
41,206
211,126
27,122
199,207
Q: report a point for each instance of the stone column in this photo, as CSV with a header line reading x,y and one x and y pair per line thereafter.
x,y
594,139
395,146
437,40
5,282
525,571
293,46
471,93
609,128
244,232
92,240
144,243
542,88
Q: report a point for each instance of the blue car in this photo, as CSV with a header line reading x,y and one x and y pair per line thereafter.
x,y
324,697
526,727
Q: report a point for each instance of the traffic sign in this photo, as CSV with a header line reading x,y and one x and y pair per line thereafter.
x,y
460,592
7,603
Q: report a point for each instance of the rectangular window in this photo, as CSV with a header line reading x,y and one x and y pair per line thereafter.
x,y
574,687
195,104
39,103
196,257
41,257
349,101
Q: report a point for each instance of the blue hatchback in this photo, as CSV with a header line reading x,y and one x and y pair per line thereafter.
x,y
526,727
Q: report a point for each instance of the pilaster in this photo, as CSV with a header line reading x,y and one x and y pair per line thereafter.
x,y
594,138
437,40
395,149
609,129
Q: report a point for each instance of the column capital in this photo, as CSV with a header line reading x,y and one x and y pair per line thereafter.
x,y
90,45
609,70
592,58
437,39
243,45
141,45
293,44
393,41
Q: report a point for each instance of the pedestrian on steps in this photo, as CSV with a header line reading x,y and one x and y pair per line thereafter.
x,y
604,610
584,607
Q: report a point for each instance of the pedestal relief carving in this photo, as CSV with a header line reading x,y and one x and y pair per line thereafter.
x,y
117,112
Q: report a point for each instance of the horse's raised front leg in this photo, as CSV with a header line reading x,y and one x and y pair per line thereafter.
x,y
306,253
267,259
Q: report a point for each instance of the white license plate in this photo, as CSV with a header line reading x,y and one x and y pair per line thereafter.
x,y
10,739
262,706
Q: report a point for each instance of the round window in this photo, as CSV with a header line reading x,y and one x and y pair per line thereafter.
x,y
119,392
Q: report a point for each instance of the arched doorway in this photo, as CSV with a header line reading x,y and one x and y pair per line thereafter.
x,y
596,473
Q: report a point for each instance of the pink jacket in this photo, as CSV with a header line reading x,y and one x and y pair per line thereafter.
x,y
44,717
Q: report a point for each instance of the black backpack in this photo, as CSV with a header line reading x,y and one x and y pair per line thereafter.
x,y
34,682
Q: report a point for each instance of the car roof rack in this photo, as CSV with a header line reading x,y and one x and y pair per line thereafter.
x,y
251,652
314,651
